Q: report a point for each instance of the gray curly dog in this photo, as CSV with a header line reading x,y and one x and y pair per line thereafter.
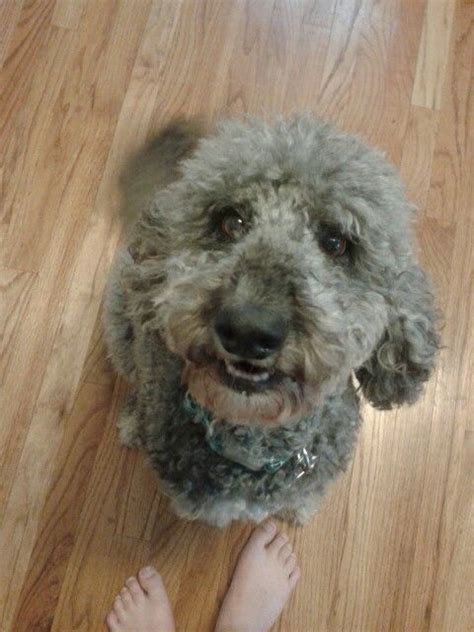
x,y
268,278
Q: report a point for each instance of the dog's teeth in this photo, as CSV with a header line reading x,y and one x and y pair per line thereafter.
x,y
253,377
259,378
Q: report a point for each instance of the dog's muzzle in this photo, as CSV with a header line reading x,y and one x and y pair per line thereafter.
x,y
250,332
250,337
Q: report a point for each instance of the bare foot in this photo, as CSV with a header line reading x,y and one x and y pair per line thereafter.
x,y
142,605
265,576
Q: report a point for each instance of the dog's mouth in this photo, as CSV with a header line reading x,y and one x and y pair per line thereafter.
x,y
244,376
245,391
239,375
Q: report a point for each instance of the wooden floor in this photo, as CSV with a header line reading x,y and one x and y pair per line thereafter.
x,y
83,82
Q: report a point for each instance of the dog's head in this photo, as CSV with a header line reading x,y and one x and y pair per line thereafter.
x,y
279,264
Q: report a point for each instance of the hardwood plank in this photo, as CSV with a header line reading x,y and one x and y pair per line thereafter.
x,y
17,83
67,13
452,609
142,504
212,555
453,400
15,292
60,515
210,34
63,134
319,548
9,13
451,150
27,464
340,59
97,366
249,32
368,70
433,54
417,157
95,533
436,250
451,606
83,175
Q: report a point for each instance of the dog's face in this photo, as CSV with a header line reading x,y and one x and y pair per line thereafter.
x,y
281,264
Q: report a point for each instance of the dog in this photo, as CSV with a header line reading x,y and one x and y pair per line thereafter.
x,y
268,280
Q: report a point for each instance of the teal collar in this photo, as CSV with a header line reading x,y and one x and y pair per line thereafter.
x,y
237,443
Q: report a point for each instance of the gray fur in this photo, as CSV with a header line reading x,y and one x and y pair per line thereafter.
x,y
368,313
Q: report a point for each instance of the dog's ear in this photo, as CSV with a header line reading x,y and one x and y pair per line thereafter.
x,y
145,175
403,359
157,165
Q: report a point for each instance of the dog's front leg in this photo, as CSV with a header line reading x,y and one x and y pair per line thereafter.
x,y
128,424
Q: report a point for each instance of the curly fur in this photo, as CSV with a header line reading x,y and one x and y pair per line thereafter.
x,y
368,313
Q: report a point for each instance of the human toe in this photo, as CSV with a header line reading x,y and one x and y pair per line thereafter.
x,y
290,564
278,542
294,576
263,534
119,607
126,596
135,589
151,581
112,621
285,552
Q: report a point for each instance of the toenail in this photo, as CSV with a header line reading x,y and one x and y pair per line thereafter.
x,y
148,571
269,526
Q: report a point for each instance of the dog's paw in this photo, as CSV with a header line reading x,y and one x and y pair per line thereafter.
x,y
128,426
292,517
128,436
299,516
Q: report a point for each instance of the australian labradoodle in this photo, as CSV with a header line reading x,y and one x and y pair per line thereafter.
x,y
268,278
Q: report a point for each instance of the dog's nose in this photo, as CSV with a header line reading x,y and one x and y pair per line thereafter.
x,y
250,331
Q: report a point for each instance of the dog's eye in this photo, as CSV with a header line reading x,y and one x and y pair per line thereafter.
x,y
232,225
333,244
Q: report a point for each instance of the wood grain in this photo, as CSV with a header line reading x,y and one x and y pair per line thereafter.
x,y
9,14
433,54
83,84
417,157
15,290
56,532
67,13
